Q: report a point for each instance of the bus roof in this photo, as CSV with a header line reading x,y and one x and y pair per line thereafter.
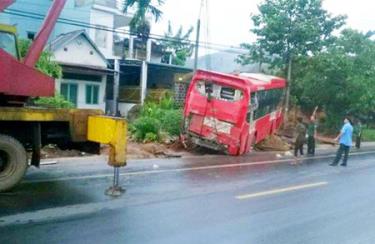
x,y
263,81
256,81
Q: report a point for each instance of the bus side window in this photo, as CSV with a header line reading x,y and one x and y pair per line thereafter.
x,y
209,88
267,102
254,101
280,100
260,108
253,106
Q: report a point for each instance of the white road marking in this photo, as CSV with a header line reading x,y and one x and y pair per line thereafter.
x,y
281,190
161,171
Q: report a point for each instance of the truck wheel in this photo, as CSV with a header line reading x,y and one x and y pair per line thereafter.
x,y
13,162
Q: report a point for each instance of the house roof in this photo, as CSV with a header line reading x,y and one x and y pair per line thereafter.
x,y
85,69
65,38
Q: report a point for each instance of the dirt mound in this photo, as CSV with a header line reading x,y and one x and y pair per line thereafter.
x,y
273,143
155,150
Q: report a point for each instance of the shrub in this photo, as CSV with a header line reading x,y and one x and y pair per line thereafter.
x,y
143,126
167,103
156,119
150,137
171,122
58,101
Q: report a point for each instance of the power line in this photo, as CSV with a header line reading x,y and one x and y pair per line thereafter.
x,y
207,45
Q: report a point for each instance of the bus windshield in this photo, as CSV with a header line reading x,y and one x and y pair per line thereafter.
x,y
219,92
8,43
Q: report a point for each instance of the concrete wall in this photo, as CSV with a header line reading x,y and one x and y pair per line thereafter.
x,y
79,51
125,107
102,18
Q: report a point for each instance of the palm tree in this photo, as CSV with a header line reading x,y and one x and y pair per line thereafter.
x,y
177,46
139,24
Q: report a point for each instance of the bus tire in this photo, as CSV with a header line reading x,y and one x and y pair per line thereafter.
x,y
13,162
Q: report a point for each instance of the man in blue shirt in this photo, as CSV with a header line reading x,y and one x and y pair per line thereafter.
x,y
345,140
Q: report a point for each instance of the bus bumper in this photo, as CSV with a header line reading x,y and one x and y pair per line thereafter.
x,y
111,131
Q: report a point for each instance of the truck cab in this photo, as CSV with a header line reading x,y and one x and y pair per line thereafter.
x,y
8,40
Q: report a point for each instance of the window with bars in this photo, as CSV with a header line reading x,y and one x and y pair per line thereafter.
x,y
92,94
70,92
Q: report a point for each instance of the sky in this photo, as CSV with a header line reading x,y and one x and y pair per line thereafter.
x,y
229,21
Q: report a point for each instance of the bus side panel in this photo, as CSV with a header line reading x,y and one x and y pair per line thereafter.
x,y
244,140
279,120
268,125
263,128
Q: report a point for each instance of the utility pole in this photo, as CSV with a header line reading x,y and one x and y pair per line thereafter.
x,y
197,37
197,44
116,85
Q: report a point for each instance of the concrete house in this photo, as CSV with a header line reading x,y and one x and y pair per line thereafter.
x,y
84,70
106,27
92,15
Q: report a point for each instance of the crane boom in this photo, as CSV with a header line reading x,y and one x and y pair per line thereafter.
x,y
19,80
41,39
5,3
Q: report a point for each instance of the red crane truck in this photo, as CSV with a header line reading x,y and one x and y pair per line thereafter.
x,y
24,130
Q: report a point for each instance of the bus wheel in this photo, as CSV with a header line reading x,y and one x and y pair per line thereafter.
x,y
13,162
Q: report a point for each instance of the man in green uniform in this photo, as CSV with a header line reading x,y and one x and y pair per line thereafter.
x,y
311,133
300,137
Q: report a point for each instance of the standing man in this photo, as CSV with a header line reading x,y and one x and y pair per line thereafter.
x,y
300,138
311,134
345,140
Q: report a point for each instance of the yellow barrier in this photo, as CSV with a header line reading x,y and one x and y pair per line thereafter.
x,y
111,131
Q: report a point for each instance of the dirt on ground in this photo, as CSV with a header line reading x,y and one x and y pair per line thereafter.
x,y
154,150
283,140
52,151
135,150
176,149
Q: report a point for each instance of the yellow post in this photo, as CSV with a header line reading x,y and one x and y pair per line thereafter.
x,y
111,131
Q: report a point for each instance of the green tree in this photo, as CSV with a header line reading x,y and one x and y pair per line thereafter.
x,y
340,79
178,46
44,64
139,24
287,29
255,54
48,67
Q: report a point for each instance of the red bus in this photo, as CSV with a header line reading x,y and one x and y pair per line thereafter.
x,y
230,113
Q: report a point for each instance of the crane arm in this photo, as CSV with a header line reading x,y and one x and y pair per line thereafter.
x,y
5,3
41,39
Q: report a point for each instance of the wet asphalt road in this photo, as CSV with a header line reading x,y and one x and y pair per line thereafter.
x,y
259,198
